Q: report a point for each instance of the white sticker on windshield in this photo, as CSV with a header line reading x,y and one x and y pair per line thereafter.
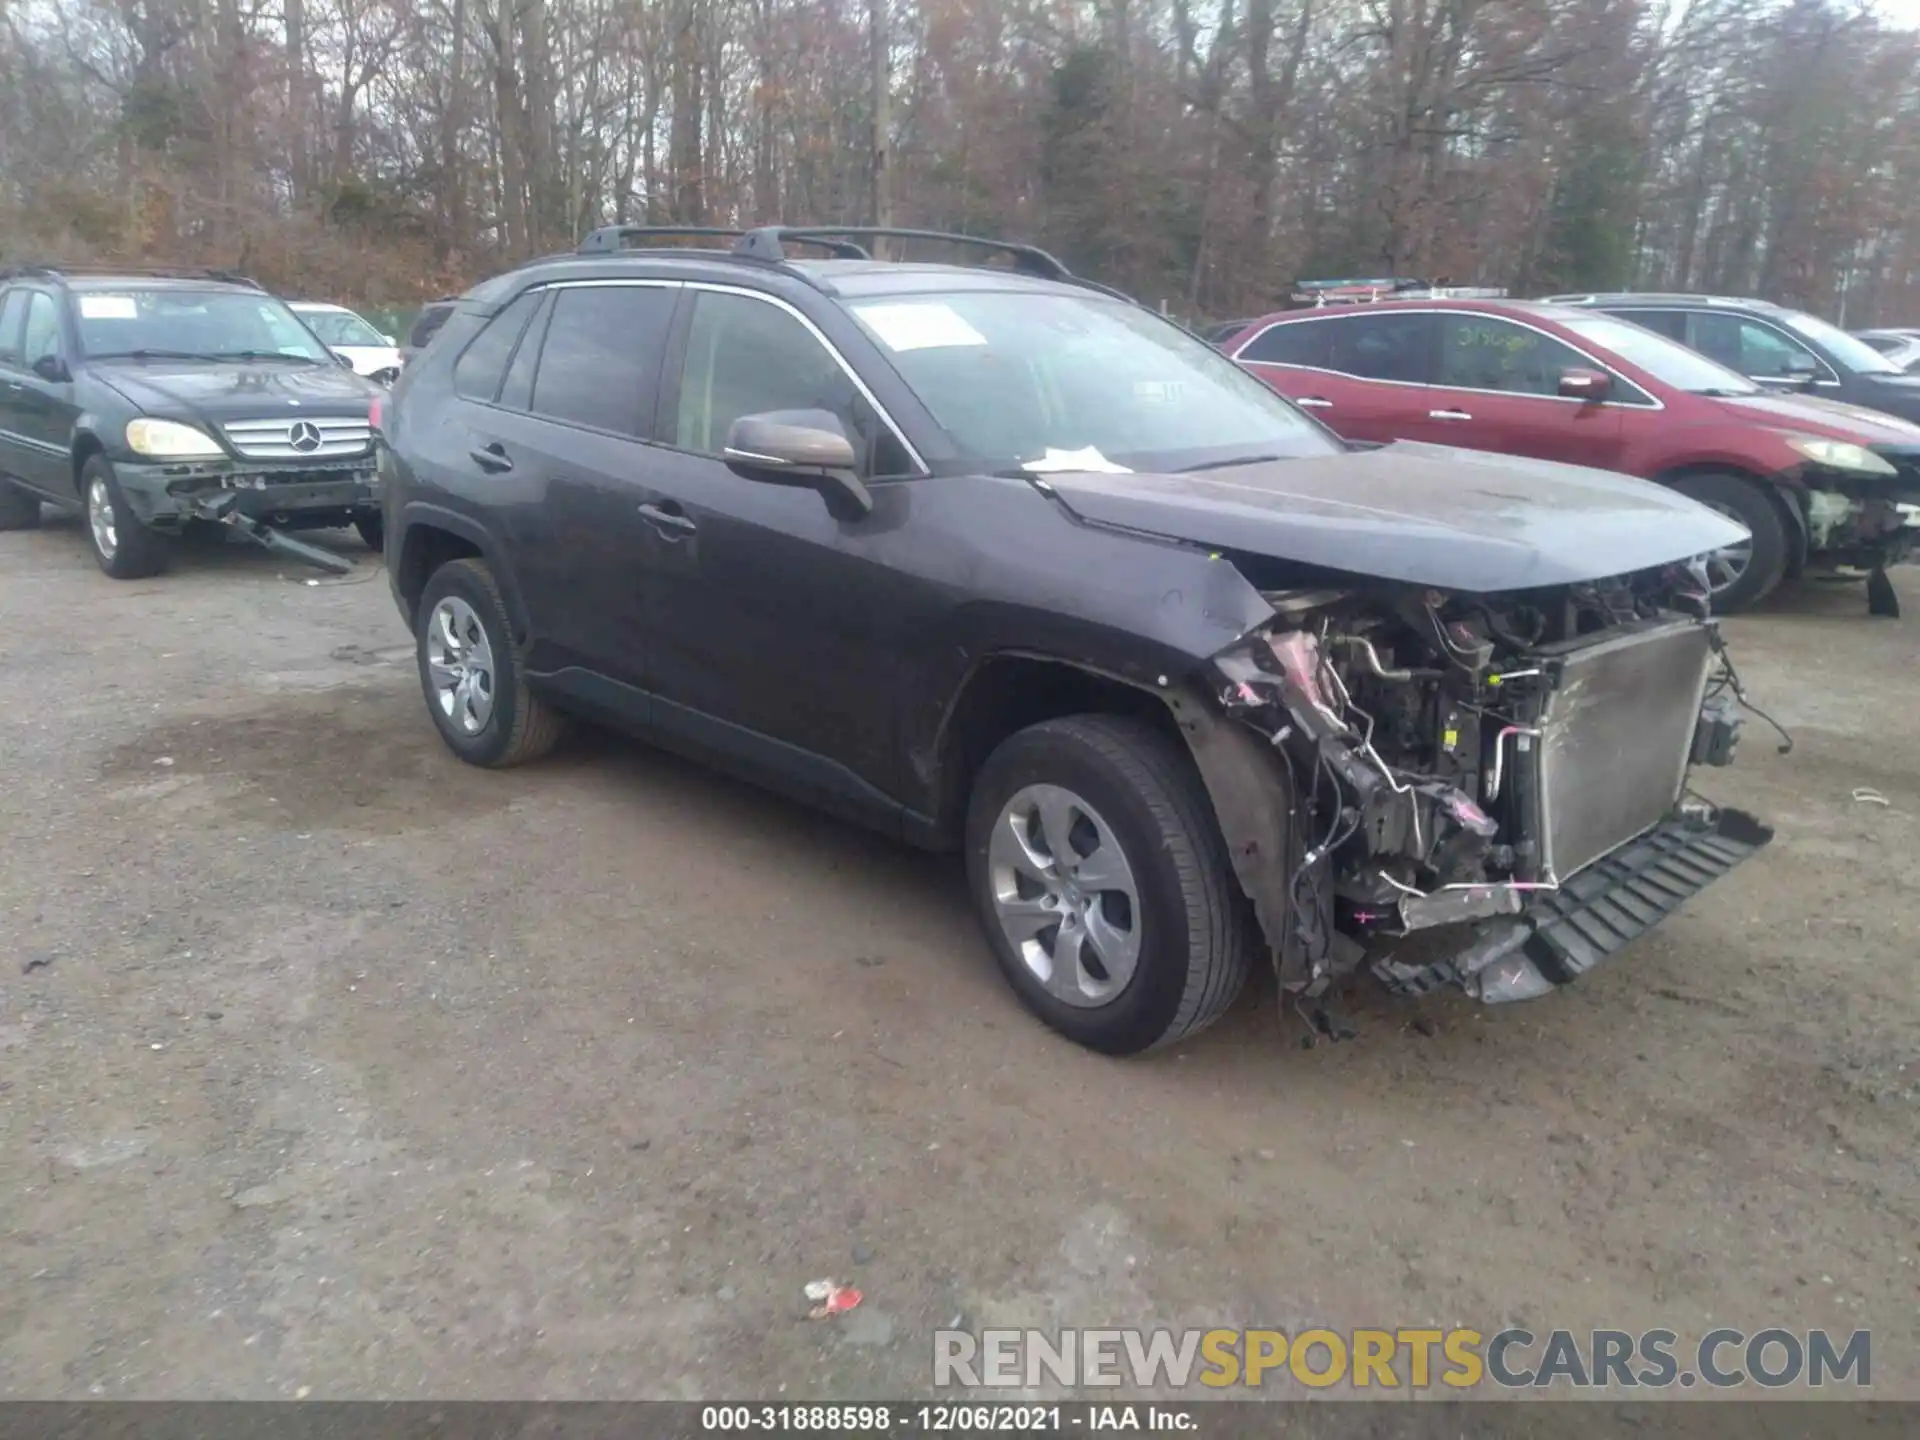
x,y
1085,462
918,326
108,307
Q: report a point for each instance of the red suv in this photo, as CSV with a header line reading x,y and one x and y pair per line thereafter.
x,y
1817,483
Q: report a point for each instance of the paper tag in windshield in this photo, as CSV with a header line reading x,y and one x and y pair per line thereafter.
x,y
108,307
1083,462
919,326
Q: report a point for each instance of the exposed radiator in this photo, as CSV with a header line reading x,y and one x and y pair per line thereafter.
x,y
1615,736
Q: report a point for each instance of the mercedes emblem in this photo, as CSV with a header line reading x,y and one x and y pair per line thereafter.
x,y
304,436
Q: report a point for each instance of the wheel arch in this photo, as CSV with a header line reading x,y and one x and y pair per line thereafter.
x,y
431,536
1792,517
1248,790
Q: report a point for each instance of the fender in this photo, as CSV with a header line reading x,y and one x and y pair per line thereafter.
x,y
439,517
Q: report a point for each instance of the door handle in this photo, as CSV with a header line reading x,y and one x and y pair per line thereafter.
x,y
491,458
1448,415
671,524
1313,402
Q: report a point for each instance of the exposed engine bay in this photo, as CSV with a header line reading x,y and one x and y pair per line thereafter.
x,y
1514,765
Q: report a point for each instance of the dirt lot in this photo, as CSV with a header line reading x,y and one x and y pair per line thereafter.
x,y
334,1067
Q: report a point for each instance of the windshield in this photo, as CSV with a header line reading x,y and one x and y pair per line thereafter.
x,y
341,327
211,324
1849,352
1019,377
1666,360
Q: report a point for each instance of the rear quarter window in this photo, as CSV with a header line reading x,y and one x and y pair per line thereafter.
x,y
428,324
1296,342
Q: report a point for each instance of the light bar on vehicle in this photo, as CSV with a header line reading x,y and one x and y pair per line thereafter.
x,y
1316,293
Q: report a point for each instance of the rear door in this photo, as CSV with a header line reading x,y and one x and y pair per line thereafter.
x,y
1364,373
1387,360
1498,389
566,438
1293,357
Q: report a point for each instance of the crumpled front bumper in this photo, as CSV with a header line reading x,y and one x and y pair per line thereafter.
x,y
1564,933
166,495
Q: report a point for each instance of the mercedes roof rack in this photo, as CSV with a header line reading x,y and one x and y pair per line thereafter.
x,y
60,271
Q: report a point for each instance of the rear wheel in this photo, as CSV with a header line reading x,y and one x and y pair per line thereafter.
x,y
1103,884
470,672
18,509
1743,574
122,546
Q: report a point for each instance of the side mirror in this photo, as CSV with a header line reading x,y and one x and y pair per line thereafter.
x,y
1592,386
389,340
53,368
1802,369
806,447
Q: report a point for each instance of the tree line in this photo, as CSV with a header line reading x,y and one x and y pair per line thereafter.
x,y
1200,153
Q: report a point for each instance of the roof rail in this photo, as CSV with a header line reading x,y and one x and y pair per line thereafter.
x,y
610,238
59,271
766,243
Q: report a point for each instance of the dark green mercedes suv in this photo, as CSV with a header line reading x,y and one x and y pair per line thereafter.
x,y
154,402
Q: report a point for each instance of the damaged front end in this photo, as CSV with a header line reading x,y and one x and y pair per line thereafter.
x,y
1487,791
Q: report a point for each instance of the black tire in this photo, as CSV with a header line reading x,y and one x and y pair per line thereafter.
x,y
1749,503
1194,941
521,726
137,551
373,531
18,509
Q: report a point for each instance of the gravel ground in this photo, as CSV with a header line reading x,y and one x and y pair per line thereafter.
x,y
334,1067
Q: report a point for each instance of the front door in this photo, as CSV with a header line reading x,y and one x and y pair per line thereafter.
x,y
42,405
769,619
1498,388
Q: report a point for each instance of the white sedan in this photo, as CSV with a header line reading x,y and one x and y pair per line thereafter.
x,y
352,338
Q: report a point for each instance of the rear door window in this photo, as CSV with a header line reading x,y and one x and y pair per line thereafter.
x,y
600,361
1385,345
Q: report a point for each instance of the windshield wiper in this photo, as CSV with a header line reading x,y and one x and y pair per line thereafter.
x,y
1712,394
157,355
268,355
1226,464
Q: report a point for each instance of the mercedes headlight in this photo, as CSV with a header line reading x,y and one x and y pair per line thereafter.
x,y
170,440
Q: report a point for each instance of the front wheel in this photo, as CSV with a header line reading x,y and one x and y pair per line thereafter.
x,y
373,531
1741,575
122,546
1103,884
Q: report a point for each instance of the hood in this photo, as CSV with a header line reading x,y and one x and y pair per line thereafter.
x,y
1419,514
1895,394
370,359
238,390
1839,419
